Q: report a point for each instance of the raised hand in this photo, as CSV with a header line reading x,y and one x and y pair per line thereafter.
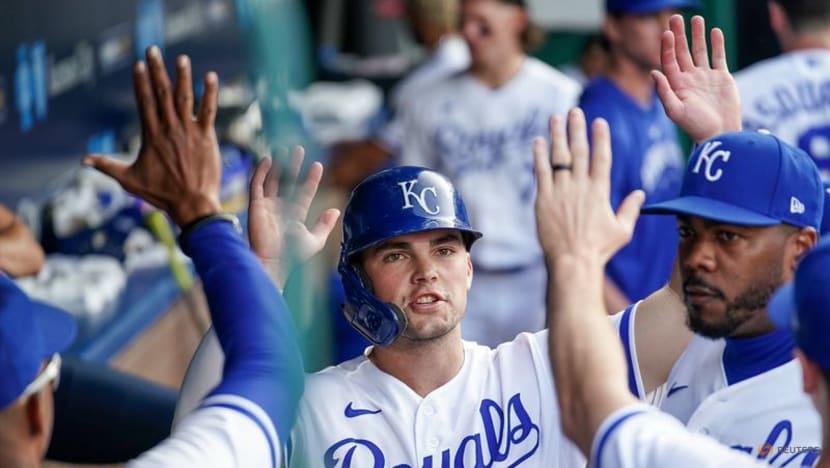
x,y
276,220
178,167
701,98
573,207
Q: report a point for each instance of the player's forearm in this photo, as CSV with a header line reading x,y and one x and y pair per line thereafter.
x,y
20,252
587,359
262,359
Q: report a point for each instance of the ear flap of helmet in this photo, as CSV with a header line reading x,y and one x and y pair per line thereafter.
x,y
377,321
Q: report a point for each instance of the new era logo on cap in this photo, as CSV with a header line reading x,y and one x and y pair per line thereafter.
x,y
796,206
749,179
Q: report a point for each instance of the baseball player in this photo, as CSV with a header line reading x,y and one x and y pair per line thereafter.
x,y
644,142
579,234
741,233
476,128
787,94
421,396
244,420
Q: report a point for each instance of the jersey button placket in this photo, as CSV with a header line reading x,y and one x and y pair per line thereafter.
x,y
427,429
433,442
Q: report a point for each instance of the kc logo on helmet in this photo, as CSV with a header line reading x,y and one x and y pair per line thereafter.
x,y
409,194
708,155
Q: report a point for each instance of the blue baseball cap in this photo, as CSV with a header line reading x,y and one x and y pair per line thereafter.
x,y
802,306
30,333
825,220
648,6
749,179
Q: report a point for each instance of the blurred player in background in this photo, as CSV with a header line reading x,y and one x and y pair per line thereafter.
x,y
644,141
476,128
787,94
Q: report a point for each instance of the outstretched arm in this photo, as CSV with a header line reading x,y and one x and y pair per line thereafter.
x,y
701,98
178,170
276,222
579,232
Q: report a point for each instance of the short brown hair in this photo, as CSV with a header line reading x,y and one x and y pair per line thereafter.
x,y
805,15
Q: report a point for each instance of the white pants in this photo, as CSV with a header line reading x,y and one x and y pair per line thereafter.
x,y
502,305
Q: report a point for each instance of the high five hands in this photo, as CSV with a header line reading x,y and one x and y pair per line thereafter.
x,y
178,167
277,218
700,97
573,207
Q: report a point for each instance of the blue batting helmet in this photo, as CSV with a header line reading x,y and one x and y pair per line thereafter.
x,y
392,203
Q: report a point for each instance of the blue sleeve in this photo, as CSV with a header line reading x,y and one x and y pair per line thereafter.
x,y
594,107
262,358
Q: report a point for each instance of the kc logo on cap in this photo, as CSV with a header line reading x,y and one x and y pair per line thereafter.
x,y
748,179
709,155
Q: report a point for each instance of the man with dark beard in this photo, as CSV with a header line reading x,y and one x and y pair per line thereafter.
x,y
749,208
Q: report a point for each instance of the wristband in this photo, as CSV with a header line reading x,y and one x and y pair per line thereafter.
x,y
192,226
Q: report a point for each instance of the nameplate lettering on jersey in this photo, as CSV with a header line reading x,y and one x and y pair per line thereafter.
x,y
420,197
708,156
507,438
779,450
785,101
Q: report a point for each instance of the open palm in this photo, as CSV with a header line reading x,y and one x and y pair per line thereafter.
x,y
701,98
277,218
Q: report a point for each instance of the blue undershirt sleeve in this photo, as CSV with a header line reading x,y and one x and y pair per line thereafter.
x,y
262,358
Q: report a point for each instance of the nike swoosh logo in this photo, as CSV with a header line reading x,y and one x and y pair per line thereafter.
x,y
355,412
676,388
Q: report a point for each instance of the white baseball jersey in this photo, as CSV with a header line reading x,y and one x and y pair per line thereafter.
x,y
639,436
226,431
481,138
450,57
790,96
500,410
745,393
